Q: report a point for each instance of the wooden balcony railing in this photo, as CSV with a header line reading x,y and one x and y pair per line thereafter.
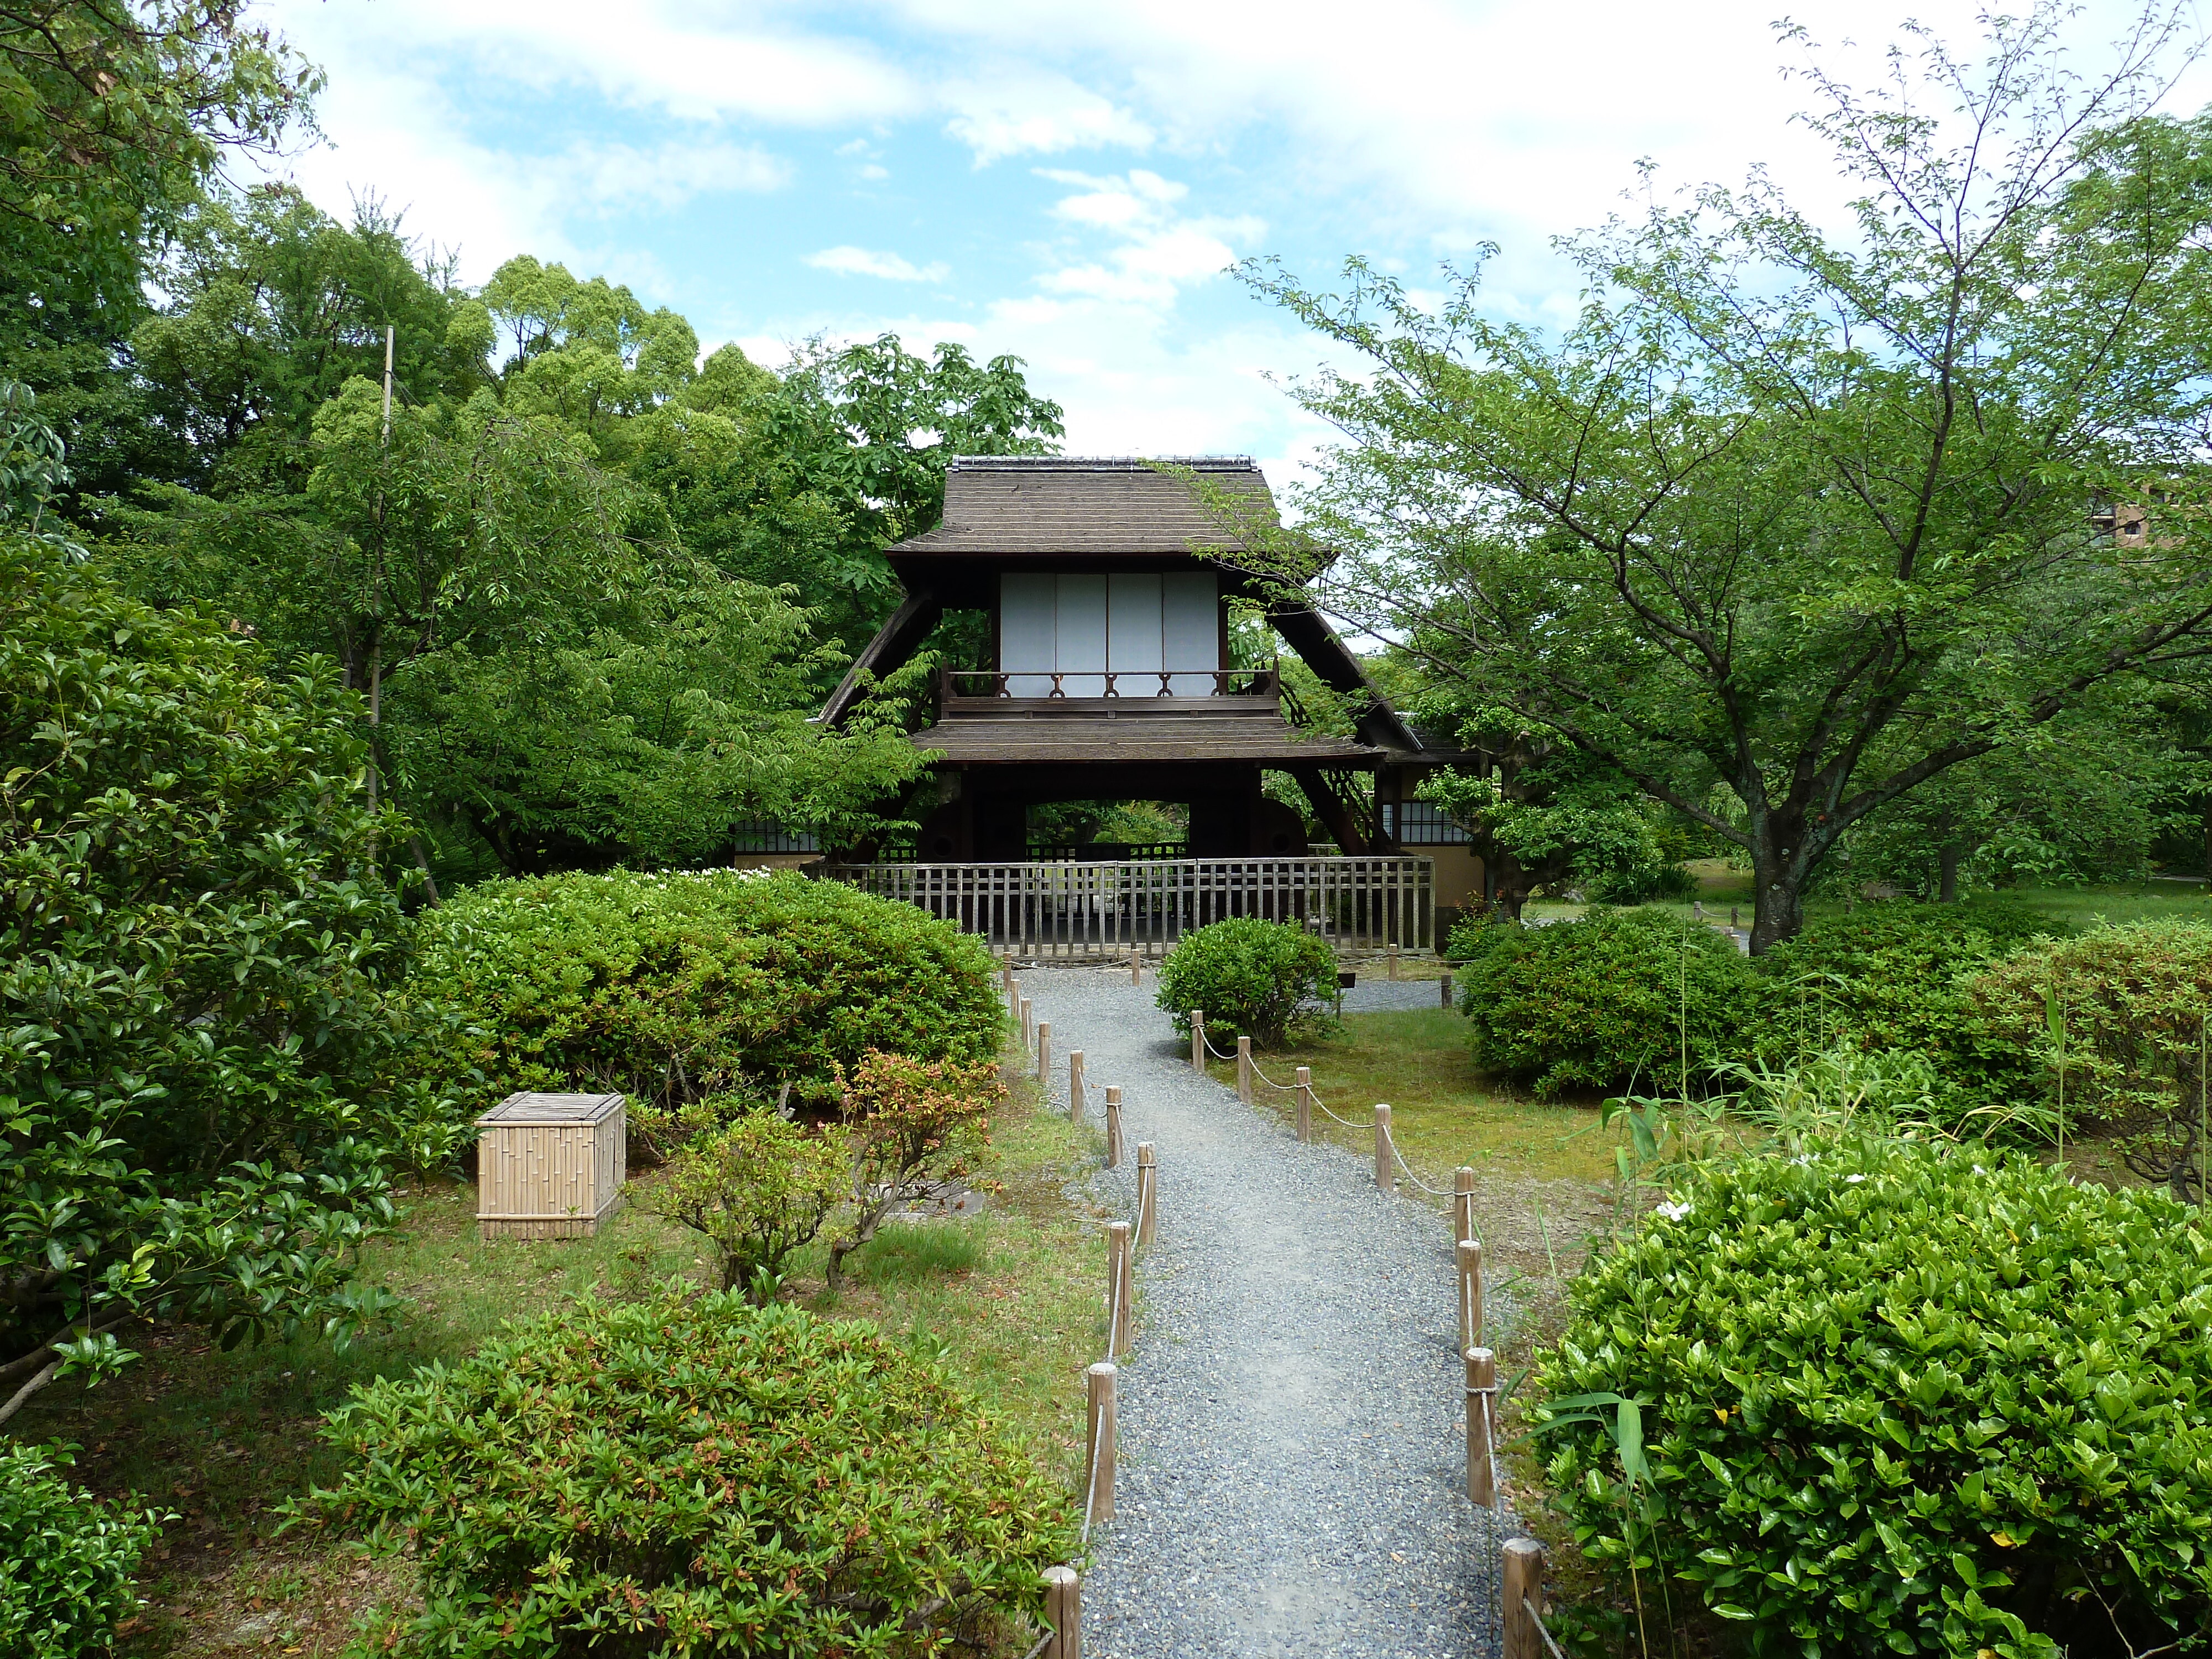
x,y
985,683
1102,909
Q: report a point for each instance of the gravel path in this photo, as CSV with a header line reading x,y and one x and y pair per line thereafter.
x,y
1294,1460
1375,995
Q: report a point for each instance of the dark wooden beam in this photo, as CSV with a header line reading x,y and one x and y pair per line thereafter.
x,y
1341,823
1306,632
894,646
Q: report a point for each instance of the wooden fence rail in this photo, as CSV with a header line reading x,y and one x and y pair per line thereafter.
x,y
1068,911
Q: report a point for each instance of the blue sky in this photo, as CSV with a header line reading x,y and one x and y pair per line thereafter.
x,y
1065,183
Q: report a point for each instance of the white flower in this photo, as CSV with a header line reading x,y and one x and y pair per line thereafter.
x,y
1672,1211
1853,1180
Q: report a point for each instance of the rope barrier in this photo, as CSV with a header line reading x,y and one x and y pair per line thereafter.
x,y
1210,1049
1043,1642
1538,1618
1433,1191
1113,1325
1490,1419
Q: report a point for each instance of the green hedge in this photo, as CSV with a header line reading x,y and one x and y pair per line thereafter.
x,y
1890,1399
671,988
65,1558
2133,1000
1895,976
1598,1003
677,1476
1248,977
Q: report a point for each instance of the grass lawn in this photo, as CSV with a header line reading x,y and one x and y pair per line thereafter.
x,y
1010,1297
1720,887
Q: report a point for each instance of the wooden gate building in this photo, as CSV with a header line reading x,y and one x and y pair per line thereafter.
x,y
1107,583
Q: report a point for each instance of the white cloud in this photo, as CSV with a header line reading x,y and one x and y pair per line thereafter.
x,y
615,178
1015,114
1158,253
864,262
871,172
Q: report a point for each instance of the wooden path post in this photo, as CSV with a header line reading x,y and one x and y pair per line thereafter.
x,y
1305,1103
1470,1294
1148,1193
1063,1611
1136,966
1075,1085
1244,1069
1120,1285
1522,1588
1481,1380
1384,1178
1100,1447
1463,1208
1044,1051
1198,1039
1444,989
1391,953
1029,1024
1113,1126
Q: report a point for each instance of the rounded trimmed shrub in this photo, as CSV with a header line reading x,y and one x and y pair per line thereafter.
x,y
670,988
703,1476
1598,1003
1256,978
1881,1398
65,1558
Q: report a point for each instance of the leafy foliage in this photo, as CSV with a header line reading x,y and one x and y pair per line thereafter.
x,y
65,1558
913,1127
758,1188
1798,511
670,988
1876,1398
688,1476
1551,817
1598,1003
200,1026
1895,976
2133,1002
1258,979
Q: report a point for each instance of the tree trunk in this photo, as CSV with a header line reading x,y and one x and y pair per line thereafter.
x,y
1946,873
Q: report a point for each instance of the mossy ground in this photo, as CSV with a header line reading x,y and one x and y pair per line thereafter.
x,y
1010,1298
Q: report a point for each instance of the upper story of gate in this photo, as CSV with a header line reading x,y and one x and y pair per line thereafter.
x,y
1106,579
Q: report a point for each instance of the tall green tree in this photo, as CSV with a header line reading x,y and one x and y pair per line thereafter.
x,y
113,117
1802,514
270,307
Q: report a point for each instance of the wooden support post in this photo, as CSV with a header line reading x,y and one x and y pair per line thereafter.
x,y
1113,1126
1482,1384
1198,1039
1470,1295
1063,1611
1148,1193
1385,1177
1075,1085
1244,1069
1463,1209
1391,954
1044,1050
1099,1449
1305,1103
1522,1589
1121,1288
